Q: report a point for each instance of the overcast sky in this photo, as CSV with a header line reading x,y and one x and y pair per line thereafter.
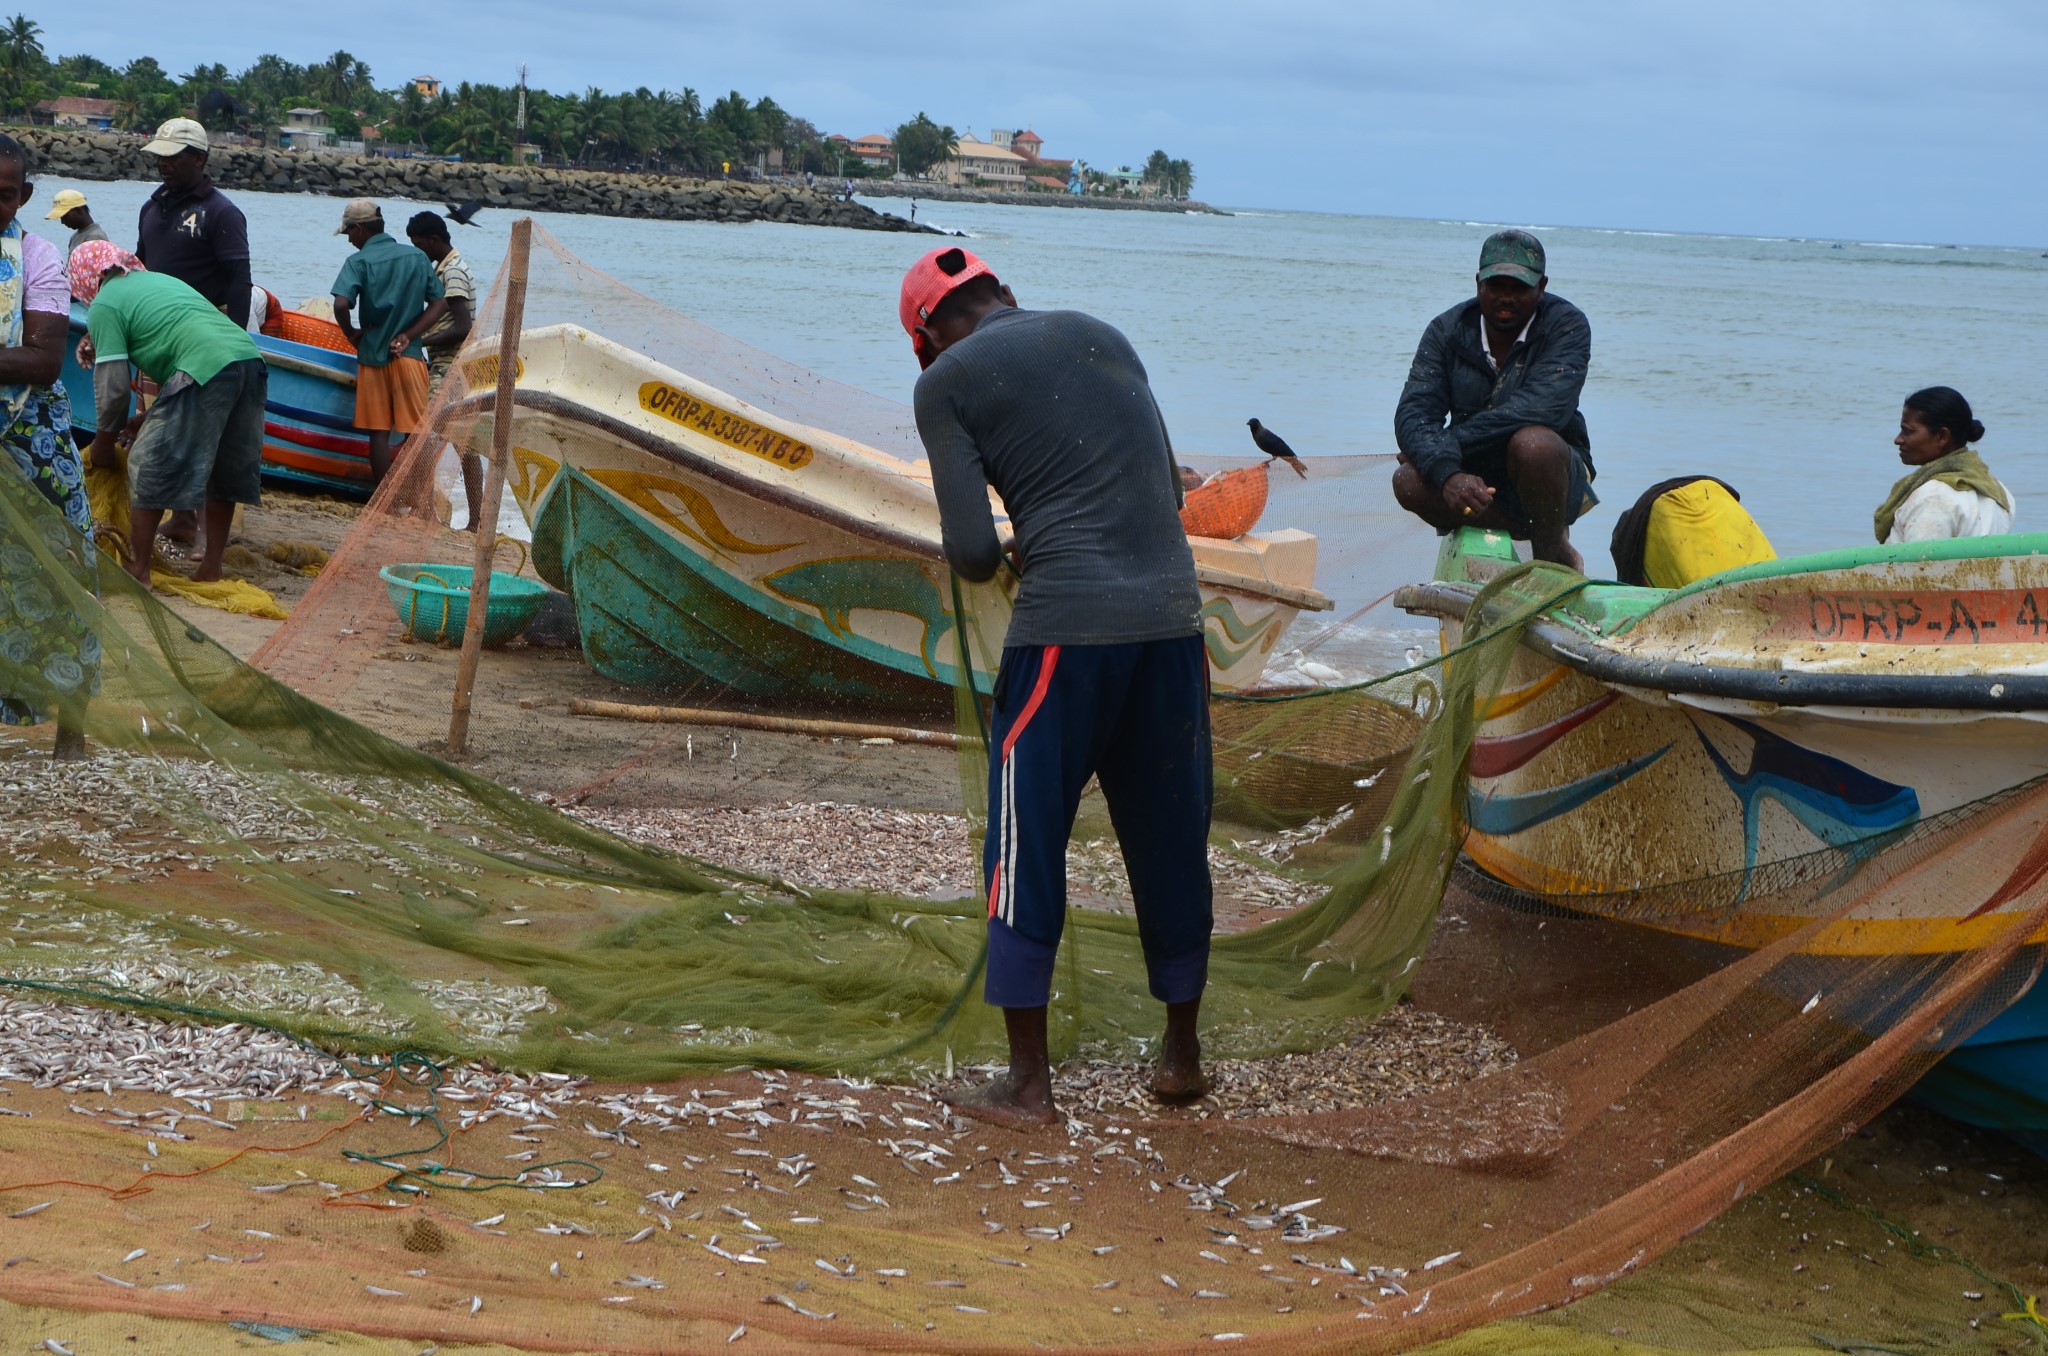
x,y
1866,119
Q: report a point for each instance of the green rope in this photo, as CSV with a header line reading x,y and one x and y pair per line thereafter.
x,y
2026,1306
1434,661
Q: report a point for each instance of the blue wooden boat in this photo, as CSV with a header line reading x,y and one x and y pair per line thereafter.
x,y
1693,737
309,435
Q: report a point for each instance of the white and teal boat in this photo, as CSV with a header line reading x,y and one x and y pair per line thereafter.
x,y
1648,738
706,540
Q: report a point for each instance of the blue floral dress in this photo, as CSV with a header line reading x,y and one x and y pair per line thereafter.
x,y
49,653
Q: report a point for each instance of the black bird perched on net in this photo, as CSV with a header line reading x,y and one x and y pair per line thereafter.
x,y
461,215
1273,445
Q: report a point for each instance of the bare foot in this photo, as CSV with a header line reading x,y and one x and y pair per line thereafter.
x,y
1000,1101
206,574
1177,1084
1179,1078
181,527
1559,553
139,571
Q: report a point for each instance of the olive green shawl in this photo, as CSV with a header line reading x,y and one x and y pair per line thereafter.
x,y
1962,469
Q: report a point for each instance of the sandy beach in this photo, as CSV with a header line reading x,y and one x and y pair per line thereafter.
x,y
1806,1264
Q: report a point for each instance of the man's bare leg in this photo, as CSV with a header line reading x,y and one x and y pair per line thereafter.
x,y
1179,1077
142,541
380,454
70,745
1540,462
220,521
1021,1096
473,486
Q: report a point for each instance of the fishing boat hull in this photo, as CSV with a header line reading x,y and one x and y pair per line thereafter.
x,y
309,434
707,542
1667,758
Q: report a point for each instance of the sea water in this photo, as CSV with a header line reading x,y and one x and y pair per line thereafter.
x,y
1777,364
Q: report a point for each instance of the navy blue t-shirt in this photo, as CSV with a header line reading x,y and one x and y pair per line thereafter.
x,y
201,239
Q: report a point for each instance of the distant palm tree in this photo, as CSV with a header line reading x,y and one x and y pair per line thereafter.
x,y
21,53
336,76
412,112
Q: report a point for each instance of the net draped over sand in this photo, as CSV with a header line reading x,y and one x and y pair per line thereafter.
x,y
238,852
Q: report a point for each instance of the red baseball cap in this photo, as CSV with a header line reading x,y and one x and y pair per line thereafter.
x,y
930,281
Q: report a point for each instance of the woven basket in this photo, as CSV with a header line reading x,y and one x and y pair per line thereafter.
x,y
1226,506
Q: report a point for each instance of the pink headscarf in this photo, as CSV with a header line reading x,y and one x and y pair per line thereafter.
x,y
89,263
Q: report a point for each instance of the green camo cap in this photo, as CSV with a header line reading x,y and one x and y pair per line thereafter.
x,y
1512,254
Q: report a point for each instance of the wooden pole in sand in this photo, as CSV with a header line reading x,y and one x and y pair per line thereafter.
x,y
485,515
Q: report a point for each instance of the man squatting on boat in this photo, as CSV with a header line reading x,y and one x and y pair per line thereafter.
x,y
1505,369
1103,671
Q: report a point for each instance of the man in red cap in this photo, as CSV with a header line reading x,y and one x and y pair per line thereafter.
x,y
1104,672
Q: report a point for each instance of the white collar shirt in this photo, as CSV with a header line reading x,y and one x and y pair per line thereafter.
x,y
1488,351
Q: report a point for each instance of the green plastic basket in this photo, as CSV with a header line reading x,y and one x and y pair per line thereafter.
x,y
432,602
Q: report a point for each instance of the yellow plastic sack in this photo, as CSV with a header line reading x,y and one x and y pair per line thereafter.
x,y
1698,530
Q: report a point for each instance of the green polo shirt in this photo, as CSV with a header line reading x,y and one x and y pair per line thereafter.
x,y
164,327
393,283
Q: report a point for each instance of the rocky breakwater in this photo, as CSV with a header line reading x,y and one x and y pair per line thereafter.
x,y
64,153
908,188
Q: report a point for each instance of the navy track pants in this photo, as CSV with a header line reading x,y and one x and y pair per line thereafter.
x,y
1136,716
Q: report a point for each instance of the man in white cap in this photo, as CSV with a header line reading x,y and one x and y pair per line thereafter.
x,y
70,209
188,228
402,298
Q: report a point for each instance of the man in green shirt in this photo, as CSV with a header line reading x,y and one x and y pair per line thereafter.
x,y
402,298
202,439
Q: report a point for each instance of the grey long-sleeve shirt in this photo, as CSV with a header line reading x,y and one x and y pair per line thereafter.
x,y
1053,410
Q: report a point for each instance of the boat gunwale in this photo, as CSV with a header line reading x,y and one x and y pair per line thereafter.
x,y
1582,652
2007,545
668,449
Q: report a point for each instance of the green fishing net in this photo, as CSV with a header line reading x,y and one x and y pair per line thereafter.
x,y
289,865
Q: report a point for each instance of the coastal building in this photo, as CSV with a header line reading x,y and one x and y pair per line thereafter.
x,y
873,149
427,85
1027,143
306,129
72,111
978,164
1001,137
